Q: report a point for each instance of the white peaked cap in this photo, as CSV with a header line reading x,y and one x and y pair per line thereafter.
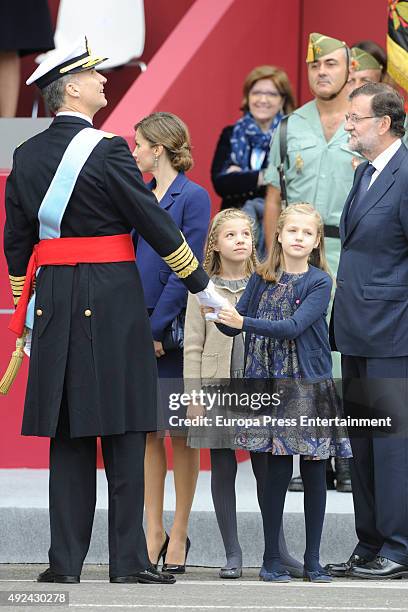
x,y
58,63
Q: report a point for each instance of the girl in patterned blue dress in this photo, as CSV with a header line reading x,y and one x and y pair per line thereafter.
x,y
283,312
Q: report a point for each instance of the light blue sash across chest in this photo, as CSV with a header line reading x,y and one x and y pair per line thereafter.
x,y
56,199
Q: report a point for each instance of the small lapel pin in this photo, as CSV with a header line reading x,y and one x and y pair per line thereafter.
x,y
355,162
299,163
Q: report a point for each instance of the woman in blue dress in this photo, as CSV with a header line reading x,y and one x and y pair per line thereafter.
x,y
163,149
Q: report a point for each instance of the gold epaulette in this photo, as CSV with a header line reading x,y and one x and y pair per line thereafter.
x,y
17,284
182,261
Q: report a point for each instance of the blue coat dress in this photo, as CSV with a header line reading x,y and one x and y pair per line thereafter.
x,y
188,204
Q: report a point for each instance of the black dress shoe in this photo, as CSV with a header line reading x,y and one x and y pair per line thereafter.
x,y
147,576
342,569
343,478
49,576
296,484
177,568
330,475
380,568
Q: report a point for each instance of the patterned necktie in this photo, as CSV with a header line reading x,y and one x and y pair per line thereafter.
x,y
360,193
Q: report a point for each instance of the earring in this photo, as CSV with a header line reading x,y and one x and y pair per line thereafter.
x,y
156,161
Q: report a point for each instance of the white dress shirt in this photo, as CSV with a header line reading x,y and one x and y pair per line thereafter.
x,y
383,158
74,114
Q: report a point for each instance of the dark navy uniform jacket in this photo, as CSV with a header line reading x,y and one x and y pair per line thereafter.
x,y
188,204
371,300
103,364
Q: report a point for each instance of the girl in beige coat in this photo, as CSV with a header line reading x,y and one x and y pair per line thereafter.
x,y
210,358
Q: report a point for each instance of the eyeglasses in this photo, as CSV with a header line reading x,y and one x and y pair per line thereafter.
x,y
269,95
356,119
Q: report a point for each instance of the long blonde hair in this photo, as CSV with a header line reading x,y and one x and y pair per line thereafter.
x,y
212,259
271,268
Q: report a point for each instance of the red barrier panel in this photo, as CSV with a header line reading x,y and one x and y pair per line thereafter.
x,y
18,451
199,71
15,450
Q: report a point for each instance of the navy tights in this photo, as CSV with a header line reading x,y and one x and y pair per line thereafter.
x,y
277,478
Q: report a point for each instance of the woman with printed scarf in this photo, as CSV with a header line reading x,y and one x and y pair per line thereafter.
x,y
237,170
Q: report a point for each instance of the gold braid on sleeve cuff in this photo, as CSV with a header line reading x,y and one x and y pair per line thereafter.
x,y
17,284
182,261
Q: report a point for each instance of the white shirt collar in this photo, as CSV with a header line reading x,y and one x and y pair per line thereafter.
x,y
74,114
383,158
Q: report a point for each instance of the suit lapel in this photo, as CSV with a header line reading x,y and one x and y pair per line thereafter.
x,y
174,190
342,227
375,193
378,189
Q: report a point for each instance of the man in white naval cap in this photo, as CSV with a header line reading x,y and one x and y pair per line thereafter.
x,y
72,199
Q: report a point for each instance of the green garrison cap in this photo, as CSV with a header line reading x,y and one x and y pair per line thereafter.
x,y
320,45
361,60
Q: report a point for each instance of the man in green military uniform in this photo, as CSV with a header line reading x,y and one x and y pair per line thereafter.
x,y
319,166
364,68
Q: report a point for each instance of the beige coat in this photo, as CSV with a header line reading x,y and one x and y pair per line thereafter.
x,y
207,352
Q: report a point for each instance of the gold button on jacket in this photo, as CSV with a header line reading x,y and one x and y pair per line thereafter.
x,y
39,312
88,312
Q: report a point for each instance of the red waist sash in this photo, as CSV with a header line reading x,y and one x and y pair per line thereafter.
x,y
69,252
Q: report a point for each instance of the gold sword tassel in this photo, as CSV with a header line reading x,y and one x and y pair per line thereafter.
x,y
14,365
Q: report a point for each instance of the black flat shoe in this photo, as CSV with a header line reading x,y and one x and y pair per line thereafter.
x,y
147,576
293,571
379,569
341,569
319,575
163,550
177,568
230,573
49,576
296,484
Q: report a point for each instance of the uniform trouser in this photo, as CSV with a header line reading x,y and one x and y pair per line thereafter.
x,y
72,498
379,467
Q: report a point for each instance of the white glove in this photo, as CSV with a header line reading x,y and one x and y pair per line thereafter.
x,y
211,299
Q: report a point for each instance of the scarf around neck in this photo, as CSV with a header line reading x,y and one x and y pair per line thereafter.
x,y
247,136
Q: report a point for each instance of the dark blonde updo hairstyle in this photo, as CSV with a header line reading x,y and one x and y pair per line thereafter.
x,y
279,78
172,133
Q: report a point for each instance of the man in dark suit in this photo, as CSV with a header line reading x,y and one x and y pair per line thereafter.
x,y
371,330
92,367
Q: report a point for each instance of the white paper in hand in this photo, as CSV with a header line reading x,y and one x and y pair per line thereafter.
x,y
211,316
210,298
